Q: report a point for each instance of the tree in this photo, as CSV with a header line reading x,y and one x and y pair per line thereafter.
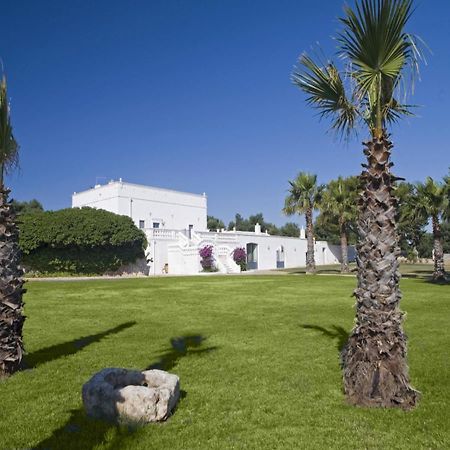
x,y
377,54
79,240
304,196
290,229
339,201
410,225
11,274
433,203
242,224
213,223
30,207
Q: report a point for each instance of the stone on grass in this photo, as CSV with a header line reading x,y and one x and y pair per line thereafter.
x,y
131,397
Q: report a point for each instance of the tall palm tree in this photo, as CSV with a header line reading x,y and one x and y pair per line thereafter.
x,y
304,196
11,281
378,54
432,202
339,200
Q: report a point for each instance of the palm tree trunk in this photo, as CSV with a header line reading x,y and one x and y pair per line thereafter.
x,y
11,290
344,247
439,268
310,262
374,358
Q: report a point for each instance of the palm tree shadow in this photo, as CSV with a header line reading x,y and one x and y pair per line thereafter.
x,y
81,431
47,354
335,332
180,347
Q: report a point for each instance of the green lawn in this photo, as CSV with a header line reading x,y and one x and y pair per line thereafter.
x,y
417,270
260,369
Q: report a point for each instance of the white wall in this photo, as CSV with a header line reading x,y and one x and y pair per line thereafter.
x,y
171,209
294,250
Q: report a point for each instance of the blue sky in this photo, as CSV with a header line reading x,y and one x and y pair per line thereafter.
x,y
194,95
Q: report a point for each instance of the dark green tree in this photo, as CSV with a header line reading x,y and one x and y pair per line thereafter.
x,y
79,240
290,229
30,207
213,223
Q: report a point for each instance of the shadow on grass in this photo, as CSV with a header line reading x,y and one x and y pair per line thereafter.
x,y
180,347
335,332
83,432
47,354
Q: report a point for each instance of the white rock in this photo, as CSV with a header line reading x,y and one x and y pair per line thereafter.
x,y
131,397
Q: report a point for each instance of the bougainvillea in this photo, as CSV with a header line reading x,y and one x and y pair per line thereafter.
x,y
240,257
207,258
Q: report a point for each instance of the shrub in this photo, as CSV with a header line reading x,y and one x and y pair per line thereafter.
x,y
240,258
75,240
207,258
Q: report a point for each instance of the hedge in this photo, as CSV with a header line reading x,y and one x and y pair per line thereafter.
x,y
79,240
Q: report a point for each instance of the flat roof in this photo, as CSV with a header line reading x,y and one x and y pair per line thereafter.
x,y
115,182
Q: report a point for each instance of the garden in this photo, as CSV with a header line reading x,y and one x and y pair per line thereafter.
x,y
257,357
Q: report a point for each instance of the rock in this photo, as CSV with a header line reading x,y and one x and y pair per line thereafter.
x,y
131,397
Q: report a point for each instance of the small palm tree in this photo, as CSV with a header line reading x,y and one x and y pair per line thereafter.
x,y
410,224
433,202
304,196
339,201
378,54
11,282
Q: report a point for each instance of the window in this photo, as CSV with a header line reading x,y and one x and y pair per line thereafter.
x,y
142,224
155,224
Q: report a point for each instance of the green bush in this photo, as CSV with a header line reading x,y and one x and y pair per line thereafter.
x,y
78,240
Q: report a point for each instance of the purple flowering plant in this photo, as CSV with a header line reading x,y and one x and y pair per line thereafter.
x,y
207,258
240,257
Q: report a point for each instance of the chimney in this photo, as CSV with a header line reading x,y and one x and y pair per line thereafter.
x,y
302,233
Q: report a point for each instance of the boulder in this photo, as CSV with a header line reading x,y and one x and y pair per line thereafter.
x,y
131,397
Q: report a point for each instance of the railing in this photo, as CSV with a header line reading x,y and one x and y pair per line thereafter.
x,y
161,233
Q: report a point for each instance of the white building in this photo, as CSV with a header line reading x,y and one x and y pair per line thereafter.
x,y
175,225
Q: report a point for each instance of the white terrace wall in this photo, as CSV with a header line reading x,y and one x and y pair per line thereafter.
x,y
294,250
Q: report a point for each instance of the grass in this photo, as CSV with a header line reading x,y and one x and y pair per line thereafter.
x,y
407,270
257,358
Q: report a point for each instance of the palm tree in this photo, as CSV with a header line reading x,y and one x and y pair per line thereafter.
x,y
11,282
339,200
433,202
378,54
304,196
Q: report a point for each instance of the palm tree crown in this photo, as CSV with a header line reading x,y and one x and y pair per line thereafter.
x,y
8,145
304,194
378,53
340,199
432,199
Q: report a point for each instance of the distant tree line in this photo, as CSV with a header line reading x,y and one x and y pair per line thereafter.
x,y
336,203
289,229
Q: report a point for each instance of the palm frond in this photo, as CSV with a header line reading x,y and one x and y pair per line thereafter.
x,y
381,52
326,92
9,149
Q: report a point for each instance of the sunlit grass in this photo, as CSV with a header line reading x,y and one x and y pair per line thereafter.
x,y
265,375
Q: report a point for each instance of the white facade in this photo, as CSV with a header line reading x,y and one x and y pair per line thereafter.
x,y
149,207
175,226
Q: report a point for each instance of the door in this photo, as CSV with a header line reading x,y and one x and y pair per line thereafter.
x,y
252,256
280,257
